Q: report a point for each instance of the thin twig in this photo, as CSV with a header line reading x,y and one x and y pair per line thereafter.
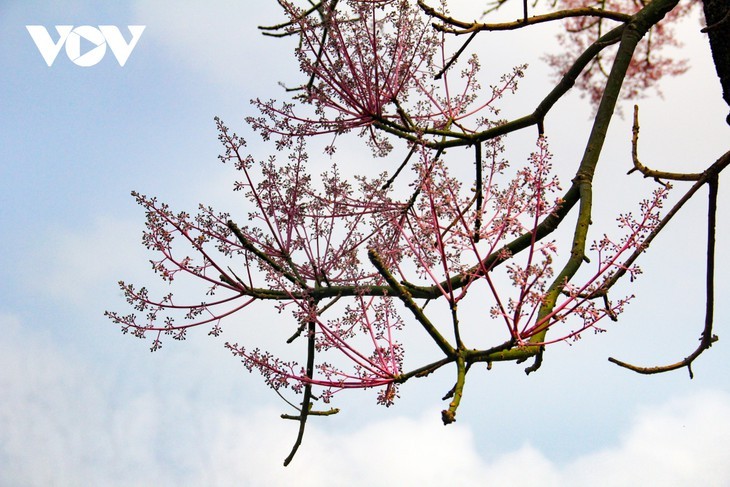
x,y
651,173
455,56
710,172
405,297
307,399
461,27
706,338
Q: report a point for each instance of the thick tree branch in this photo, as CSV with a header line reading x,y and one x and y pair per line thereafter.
x,y
635,30
717,13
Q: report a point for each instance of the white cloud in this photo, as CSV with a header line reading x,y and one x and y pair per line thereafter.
x,y
63,422
396,451
679,443
48,412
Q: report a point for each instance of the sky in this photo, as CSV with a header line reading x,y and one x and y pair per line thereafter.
x,y
81,404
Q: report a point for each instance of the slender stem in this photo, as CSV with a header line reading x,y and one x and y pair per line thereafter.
x,y
709,174
707,338
651,173
307,400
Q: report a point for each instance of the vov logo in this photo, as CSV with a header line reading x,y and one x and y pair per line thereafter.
x,y
95,39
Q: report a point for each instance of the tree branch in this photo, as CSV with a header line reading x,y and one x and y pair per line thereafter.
x,y
405,297
635,30
710,173
650,173
307,399
472,27
706,338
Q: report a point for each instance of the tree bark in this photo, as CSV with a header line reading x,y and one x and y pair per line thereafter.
x,y
717,16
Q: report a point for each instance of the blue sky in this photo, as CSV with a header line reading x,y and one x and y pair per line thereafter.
x,y
82,404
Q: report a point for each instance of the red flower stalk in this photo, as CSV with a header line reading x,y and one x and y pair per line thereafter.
x,y
373,69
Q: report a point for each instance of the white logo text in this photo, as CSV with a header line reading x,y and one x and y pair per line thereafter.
x,y
71,37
